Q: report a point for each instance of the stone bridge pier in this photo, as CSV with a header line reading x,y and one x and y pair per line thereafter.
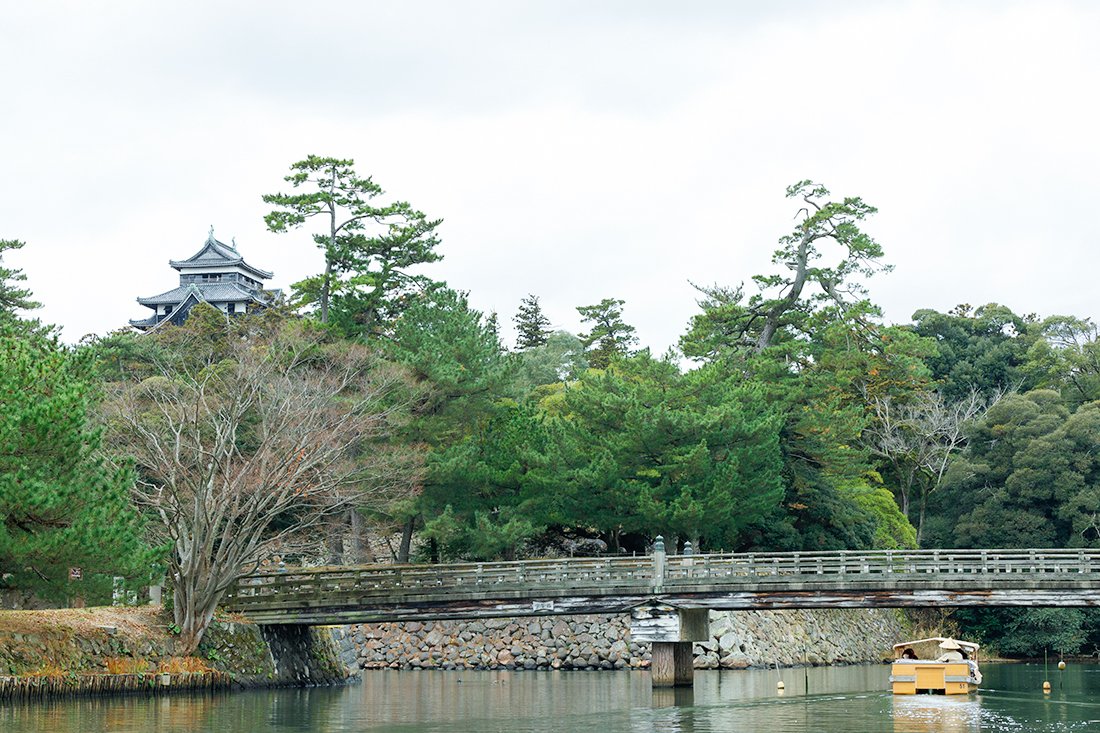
x,y
671,632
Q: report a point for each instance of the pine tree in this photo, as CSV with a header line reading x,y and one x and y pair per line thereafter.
x,y
14,298
369,250
456,356
61,506
610,336
532,325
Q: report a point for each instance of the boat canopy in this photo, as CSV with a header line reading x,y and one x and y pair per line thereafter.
x,y
967,644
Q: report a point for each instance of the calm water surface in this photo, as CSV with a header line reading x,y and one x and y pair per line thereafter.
x,y
818,699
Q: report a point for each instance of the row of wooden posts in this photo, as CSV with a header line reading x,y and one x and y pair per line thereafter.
x,y
27,688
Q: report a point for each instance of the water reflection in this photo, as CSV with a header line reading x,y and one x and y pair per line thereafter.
x,y
673,697
818,699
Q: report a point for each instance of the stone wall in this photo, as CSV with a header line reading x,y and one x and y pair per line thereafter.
x,y
764,638
739,639
550,642
299,656
245,655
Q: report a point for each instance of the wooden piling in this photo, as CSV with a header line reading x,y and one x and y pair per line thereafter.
x,y
683,663
24,689
662,664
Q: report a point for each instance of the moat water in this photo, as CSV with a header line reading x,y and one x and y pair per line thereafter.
x,y
814,699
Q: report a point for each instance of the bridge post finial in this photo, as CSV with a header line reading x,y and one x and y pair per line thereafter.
x,y
687,549
658,563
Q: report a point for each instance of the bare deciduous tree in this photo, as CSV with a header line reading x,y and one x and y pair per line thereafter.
x,y
918,439
245,452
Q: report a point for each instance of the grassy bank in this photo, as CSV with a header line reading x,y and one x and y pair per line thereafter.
x,y
101,650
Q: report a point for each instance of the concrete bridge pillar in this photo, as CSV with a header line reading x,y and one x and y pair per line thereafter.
x,y
671,632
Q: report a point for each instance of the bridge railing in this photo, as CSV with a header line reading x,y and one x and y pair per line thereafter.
x,y
334,583
760,567
339,585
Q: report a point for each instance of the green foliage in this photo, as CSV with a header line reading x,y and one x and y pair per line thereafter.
x,y
545,369
696,455
504,485
455,352
12,297
367,274
983,349
1061,630
15,298
532,325
120,355
815,516
1033,632
1030,479
1066,358
893,530
456,357
818,358
610,337
61,506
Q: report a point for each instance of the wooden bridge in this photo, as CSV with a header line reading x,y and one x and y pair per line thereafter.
x,y
341,595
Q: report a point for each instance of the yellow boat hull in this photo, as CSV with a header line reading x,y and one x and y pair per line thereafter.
x,y
945,678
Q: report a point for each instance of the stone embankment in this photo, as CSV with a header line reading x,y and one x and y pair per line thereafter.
x,y
739,639
105,651
112,650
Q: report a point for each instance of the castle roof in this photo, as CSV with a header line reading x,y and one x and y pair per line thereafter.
x,y
216,274
217,292
217,254
192,295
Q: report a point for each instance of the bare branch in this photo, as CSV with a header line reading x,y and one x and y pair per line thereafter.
x,y
282,427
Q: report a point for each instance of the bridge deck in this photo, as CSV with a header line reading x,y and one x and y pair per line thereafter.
x,y
717,581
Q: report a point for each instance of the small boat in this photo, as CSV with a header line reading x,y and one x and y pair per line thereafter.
x,y
954,672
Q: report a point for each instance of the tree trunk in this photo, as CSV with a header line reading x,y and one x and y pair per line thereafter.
x,y
406,541
360,547
335,550
906,487
325,288
330,253
773,314
920,520
192,615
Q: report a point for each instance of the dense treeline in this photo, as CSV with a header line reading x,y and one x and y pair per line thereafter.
x,y
788,418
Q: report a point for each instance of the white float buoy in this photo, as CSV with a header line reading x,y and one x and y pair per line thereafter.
x,y
1061,665
780,686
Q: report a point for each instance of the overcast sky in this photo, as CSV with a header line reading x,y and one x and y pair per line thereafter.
x,y
575,150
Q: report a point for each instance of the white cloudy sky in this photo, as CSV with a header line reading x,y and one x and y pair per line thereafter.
x,y
575,150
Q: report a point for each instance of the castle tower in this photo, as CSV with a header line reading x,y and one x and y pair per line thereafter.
x,y
218,275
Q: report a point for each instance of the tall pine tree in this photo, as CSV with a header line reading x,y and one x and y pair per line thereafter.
x,y
14,297
369,250
610,336
61,506
532,325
